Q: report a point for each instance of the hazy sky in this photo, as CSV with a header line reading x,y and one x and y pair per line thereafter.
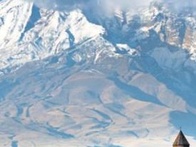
x,y
70,4
109,4
181,4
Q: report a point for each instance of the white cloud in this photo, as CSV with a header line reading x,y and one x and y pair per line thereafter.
x,y
71,4
59,4
127,3
179,5
109,5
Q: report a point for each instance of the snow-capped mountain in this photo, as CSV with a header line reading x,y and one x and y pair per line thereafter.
x,y
28,33
82,78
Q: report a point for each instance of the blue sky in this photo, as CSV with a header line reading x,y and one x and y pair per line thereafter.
x,y
176,5
70,4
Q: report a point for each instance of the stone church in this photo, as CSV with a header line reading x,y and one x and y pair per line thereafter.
x,y
181,141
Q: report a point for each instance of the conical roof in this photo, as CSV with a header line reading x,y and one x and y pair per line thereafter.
x,y
181,140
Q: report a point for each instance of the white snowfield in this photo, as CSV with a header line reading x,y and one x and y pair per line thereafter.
x,y
23,40
81,79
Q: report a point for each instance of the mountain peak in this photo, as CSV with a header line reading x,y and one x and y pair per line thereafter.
x,y
99,79
35,33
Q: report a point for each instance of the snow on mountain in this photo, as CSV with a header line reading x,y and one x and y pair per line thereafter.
x,y
79,102
37,34
12,24
81,78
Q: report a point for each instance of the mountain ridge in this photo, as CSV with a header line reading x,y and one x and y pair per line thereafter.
x,y
83,79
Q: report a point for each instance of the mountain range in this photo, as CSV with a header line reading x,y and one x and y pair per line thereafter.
x,y
85,77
